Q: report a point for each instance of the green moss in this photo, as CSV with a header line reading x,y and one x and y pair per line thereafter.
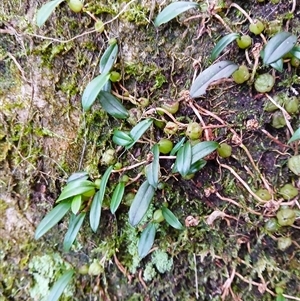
x,y
161,261
46,270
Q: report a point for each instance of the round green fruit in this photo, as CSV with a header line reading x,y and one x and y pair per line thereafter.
x,y
294,164
165,146
224,150
99,26
97,183
244,41
95,268
288,191
271,225
264,194
75,5
109,157
158,216
295,62
114,76
257,27
171,128
170,106
194,131
283,243
291,105
124,179
279,99
278,120
241,75
264,83
286,217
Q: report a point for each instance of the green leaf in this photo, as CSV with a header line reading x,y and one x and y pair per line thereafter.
x,y
152,170
122,138
59,286
95,212
295,137
83,175
138,130
278,65
222,44
75,187
184,159
108,58
117,197
141,203
278,46
92,90
172,11
196,166
52,218
45,11
171,219
296,52
202,149
146,240
112,105
215,72
177,147
76,204
73,229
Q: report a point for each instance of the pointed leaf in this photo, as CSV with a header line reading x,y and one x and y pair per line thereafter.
x,y
296,52
196,166
222,44
278,46
76,204
138,130
278,65
215,72
117,197
184,159
59,286
171,219
172,11
122,138
295,137
52,218
177,147
45,11
73,229
92,90
83,175
141,203
146,240
152,170
95,212
202,149
108,58
75,187
112,105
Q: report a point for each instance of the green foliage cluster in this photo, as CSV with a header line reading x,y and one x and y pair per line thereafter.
x,y
81,196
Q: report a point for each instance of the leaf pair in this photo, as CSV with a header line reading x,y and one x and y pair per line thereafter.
x,y
148,234
189,159
281,44
100,87
129,139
